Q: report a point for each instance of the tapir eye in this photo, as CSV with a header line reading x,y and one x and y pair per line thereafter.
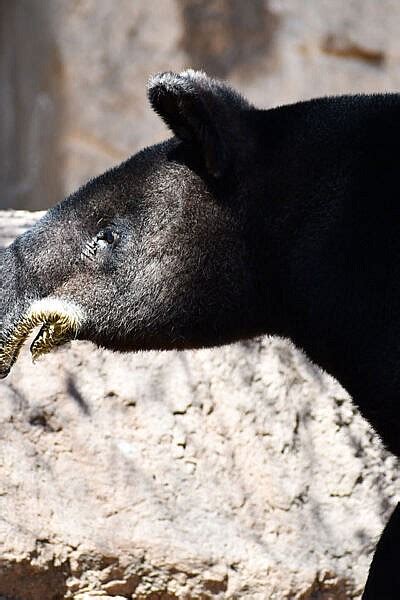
x,y
103,240
107,235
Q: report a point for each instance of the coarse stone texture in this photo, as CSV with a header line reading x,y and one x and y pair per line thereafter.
x,y
242,472
239,472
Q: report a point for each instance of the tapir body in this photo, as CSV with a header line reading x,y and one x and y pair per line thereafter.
x,y
247,222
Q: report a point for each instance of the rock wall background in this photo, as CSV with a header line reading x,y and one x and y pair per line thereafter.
x,y
74,72
242,472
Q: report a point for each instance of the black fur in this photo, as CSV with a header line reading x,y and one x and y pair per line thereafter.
x,y
199,111
247,222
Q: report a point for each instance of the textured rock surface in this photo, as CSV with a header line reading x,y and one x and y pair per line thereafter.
x,y
235,473
242,472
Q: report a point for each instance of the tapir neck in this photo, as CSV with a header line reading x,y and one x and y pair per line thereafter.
x,y
331,218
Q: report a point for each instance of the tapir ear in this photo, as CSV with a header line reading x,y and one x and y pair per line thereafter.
x,y
200,111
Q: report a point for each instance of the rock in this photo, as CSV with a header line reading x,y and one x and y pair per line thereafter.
x,y
13,223
74,93
241,472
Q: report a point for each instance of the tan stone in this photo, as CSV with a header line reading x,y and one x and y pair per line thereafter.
x,y
242,472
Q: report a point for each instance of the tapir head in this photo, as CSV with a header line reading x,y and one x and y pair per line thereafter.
x,y
155,253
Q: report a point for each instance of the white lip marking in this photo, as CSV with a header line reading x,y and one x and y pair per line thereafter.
x,y
60,321
64,308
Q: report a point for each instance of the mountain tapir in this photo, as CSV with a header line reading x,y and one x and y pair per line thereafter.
x,y
246,222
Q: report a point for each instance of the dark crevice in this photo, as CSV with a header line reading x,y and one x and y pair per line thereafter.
x,y
345,49
76,395
24,581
